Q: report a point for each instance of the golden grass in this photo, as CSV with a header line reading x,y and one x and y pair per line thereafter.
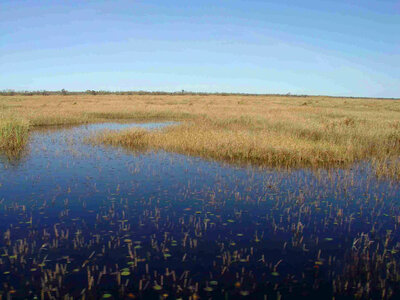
x,y
13,136
263,130
268,144
387,168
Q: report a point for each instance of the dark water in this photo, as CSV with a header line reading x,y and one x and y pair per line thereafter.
x,y
94,221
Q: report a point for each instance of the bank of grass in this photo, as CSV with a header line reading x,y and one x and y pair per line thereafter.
x,y
263,130
268,142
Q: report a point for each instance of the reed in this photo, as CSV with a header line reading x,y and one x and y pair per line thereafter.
x,y
270,142
387,168
264,130
13,136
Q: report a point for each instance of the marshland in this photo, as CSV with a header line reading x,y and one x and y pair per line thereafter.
x,y
199,196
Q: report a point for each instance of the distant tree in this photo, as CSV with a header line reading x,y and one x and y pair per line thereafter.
x,y
91,92
10,92
63,92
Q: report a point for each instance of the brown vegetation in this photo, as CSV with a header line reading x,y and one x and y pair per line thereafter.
x,y
266,130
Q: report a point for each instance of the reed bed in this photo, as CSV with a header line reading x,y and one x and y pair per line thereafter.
x,y
322,142
13,136
279,131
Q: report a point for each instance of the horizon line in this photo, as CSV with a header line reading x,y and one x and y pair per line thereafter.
x,y
64,92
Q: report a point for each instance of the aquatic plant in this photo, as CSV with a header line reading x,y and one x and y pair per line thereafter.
x,y
13,136
269,142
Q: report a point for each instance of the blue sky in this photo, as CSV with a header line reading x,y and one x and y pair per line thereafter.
x,y
342,47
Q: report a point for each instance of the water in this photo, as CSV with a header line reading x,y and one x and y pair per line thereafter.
x,y
78,219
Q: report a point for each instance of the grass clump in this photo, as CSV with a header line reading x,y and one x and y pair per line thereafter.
x,y
135,138
322,142
387,168
13,136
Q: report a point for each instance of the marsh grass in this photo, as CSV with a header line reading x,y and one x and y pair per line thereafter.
x,y
270,142
138,115
13,136
387,168
263,130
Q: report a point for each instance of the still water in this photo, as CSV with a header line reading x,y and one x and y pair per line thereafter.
x,y
81,220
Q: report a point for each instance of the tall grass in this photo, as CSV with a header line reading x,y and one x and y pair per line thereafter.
x,y
271,142
387,168
263,130
13,136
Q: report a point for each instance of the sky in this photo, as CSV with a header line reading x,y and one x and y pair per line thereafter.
x,y
314,47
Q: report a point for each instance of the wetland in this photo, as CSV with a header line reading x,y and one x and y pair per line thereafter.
x,y
87,214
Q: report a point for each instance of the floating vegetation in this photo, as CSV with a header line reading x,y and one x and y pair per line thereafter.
x,y
84,221
107,296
